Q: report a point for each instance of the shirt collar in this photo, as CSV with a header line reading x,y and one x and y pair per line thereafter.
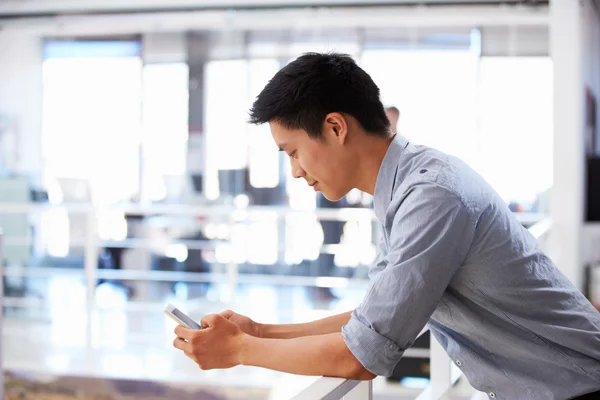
x,y
386,178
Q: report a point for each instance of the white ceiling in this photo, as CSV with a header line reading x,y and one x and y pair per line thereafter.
x,y
122,17
16,8
297,20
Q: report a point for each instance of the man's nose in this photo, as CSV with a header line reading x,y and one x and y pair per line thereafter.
x,y
297,170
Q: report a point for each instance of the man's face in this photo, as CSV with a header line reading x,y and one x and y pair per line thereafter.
x,y
323,163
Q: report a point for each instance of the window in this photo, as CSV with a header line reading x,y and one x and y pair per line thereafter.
x,y
435,91
515,143
492,112
91,116
233,144
263,153
165,129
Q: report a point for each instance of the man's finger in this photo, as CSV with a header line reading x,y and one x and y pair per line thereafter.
x,y
211,320
184,332
226,314
182,345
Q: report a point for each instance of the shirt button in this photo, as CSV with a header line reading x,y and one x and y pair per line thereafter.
x,y
458,363
492,395
422,171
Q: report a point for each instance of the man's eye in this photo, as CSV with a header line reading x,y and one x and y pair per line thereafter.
x,y
292,154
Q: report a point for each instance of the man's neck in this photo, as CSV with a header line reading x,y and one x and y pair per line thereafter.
x,y
371,157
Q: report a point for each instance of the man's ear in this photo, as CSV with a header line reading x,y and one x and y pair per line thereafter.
x,y
336,127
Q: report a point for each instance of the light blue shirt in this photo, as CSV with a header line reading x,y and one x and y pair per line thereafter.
x,y
453,256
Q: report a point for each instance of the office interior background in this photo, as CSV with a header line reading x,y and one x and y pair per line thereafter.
x,y
129,176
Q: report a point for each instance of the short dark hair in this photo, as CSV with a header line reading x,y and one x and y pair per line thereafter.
x,y
302,93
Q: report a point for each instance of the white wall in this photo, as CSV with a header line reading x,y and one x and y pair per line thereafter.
x,y
21,94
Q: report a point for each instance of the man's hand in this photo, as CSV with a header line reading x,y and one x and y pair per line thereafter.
x,y
222,344
246,324
217,345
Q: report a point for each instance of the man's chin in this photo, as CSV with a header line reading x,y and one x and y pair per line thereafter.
x,y
333,196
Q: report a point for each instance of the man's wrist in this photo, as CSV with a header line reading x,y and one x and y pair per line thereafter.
x,y
260,330
246,343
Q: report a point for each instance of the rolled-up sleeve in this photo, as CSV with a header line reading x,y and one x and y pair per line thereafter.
x,y
429,238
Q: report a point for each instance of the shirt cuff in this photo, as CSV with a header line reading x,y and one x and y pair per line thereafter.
x,y
375,352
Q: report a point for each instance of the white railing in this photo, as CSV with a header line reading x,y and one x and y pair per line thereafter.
x,y
337,388
444,374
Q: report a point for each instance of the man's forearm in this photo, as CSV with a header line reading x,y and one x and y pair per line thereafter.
x,y
320,327
325,355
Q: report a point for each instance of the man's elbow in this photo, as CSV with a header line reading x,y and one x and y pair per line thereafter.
x,y
352,368
358,372
362,374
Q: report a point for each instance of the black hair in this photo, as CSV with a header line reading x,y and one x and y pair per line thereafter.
x,y
303,92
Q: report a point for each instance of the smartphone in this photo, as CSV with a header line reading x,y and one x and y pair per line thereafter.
x,y
178,316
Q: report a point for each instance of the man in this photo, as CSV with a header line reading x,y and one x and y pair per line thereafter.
x,y
393,115
452,255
